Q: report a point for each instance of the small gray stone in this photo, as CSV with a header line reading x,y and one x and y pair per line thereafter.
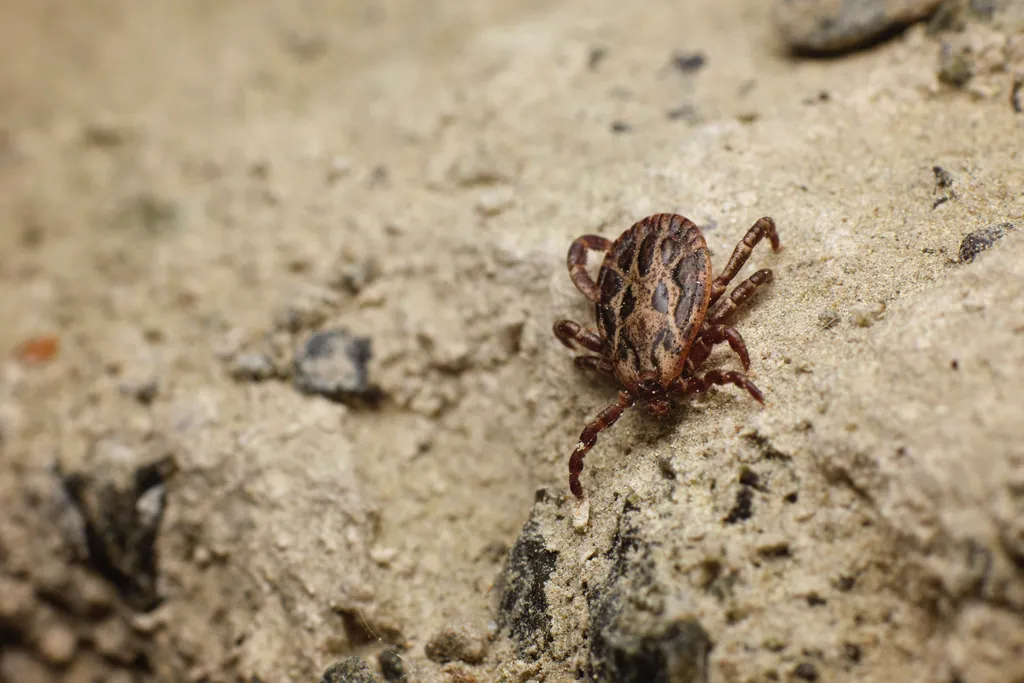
x,y
980,240
457,643
830,26
333,364
956,65
392,665
351,670
252,367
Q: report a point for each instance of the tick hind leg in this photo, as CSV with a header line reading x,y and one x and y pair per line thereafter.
x,y
740,294
762,228
577,262
716,334
719,377
568,332
605,419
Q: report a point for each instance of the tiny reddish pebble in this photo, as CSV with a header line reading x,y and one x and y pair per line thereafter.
x,y
40,349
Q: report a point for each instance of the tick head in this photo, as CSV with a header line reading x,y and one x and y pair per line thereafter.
x,y
649,386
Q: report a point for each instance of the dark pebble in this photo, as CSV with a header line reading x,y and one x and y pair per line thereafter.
x,y
743,509
456,644
806,671
351,670
392,666
688,62
333,364
980,240
749,477
836,26
956,66
943,178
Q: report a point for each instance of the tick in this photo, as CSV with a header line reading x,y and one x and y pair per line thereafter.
x,y
659,313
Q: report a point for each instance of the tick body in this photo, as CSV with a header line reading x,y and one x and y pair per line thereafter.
x,y
659,312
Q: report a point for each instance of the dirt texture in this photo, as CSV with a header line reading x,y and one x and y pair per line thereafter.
x,y
280,398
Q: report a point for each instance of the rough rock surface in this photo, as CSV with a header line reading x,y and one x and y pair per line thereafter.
x,y
183,186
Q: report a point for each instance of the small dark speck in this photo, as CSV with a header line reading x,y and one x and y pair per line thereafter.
x,y
692,61
815,600
852,652
686,113
749,477
379,176
743,509
954,364
597,55
791,497
943,178
777,551
940,201
806,671
1016,100
822,96
621,127
846,583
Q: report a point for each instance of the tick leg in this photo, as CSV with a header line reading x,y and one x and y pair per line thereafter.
x,y
741,293
716,334
605,419
568,332
764,226
595,363
659,407
577,262
713,377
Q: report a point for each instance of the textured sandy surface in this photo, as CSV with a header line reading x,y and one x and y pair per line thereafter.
x,y
177,177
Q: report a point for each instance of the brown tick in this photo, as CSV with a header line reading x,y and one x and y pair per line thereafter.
x,y
654,328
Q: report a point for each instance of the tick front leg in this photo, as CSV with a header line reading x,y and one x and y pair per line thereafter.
x,y
763,227
605,419
716,334
568,332
577,262
743,291
713,377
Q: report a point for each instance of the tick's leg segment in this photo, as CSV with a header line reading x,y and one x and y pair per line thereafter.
x,y
605,419
716,334
763,227
741,293
708,379
659,407
595,363
568,332
577,262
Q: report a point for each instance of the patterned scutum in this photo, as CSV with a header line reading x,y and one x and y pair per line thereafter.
x,y
655,289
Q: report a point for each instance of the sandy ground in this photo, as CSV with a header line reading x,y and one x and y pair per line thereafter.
x,y
184,183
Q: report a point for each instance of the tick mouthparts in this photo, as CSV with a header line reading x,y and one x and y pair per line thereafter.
x,y
649,385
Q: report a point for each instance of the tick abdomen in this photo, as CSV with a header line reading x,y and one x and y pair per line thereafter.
x,y
655,287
